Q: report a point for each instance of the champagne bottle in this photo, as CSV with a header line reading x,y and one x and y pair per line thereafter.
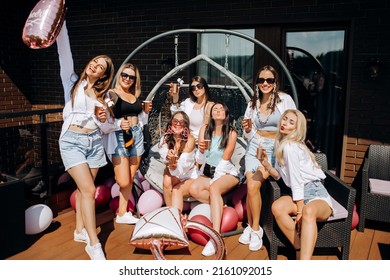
x,y
128,137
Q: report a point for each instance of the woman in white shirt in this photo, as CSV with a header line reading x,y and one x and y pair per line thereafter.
x,y
177,151
81,144
197,106
309,201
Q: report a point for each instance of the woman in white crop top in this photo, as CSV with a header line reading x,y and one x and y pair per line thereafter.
x,y
197,106
263,111
80,141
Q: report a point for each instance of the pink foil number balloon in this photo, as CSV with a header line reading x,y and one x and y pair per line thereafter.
x,y
44,23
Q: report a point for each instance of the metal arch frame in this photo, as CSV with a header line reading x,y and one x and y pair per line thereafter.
x,y
237,80
223,31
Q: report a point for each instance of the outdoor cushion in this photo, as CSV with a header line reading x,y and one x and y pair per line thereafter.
x,y
379,186
339,212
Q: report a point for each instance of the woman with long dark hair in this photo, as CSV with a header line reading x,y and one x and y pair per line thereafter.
x,y
219,173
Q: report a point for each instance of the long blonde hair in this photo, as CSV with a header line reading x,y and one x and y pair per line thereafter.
x,y
136,86
297,136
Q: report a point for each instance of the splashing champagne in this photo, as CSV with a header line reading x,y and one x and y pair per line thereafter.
x,y
44,23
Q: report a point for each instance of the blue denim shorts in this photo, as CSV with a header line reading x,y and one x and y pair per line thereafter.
x,y
137,149
77,148
316,190
251,161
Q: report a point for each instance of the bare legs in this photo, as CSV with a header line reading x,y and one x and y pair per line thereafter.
x,y
85,202
125,169
253,198
317,210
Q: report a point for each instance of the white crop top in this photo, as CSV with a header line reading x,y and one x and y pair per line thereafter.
x,y
81,119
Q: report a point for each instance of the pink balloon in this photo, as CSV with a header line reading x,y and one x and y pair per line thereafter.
x,y
355,219
240,208
149,201
197,235
44,23
72,200
239,193
102,196
229,219
109,182
139,176
64,178
114,204
145,185
115,190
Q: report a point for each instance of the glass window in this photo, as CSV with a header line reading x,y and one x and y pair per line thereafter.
x,y
316,60
232,52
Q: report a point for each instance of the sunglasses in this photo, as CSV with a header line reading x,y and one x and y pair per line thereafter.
x,y
178,122
268,80
198,86
127,76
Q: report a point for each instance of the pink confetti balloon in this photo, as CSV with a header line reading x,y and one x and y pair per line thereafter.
x,y
44,24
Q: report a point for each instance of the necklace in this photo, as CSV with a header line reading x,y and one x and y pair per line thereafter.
x,y
258,104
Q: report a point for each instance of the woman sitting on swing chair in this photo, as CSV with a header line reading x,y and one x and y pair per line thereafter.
x,y
197,106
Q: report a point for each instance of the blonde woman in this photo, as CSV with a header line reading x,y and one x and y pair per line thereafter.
x,y
127,114
309,201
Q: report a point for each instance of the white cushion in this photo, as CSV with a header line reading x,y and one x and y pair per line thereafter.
x,y
379,186
339,212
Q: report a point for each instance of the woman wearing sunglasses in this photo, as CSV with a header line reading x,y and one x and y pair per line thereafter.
x,y
81,144
263,111
219,173
197,106
126,115
177,150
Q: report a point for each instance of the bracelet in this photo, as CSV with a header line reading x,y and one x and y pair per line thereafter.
x,y
269,169
175,103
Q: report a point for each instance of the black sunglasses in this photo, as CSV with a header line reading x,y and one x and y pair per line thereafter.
x,y
127,76
268,80
198,86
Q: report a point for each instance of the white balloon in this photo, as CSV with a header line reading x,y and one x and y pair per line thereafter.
x,y
201,209
38,218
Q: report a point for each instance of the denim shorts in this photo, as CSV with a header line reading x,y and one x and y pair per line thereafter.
x,y
77,148
137,149
251,161
316,190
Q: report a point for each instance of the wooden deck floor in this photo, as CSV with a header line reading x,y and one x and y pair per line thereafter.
x,y
56,243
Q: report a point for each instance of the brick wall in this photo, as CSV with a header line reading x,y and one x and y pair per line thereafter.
x,y
117,27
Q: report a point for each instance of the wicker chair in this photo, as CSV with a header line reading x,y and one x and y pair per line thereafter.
x,y
374,205
334,233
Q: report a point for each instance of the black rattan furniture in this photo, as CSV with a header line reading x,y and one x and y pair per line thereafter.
x,y
334,234
374,206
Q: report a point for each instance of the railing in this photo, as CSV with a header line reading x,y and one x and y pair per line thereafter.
x,y
10,137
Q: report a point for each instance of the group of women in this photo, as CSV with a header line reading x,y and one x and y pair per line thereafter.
x,y
197,148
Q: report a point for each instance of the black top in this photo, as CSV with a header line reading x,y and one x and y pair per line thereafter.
x,y
123,108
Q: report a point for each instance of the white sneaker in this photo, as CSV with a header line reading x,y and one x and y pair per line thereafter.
x,y
95,252
245,237
126,218
256,240
208,249
81,236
